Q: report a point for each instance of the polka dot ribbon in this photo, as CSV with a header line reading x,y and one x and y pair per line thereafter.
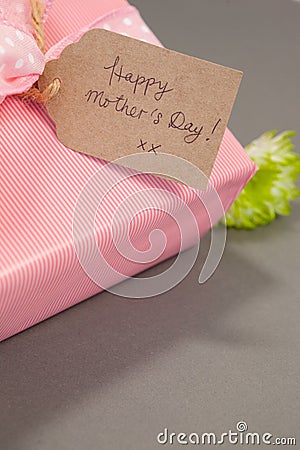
x,y
21,61
125,20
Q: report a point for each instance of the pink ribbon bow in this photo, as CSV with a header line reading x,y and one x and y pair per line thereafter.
x,y
21,61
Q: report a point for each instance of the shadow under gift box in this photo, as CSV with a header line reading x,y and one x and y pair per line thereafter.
x,y
41,180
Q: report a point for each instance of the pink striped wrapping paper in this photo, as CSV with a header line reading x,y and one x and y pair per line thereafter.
x,y
41,180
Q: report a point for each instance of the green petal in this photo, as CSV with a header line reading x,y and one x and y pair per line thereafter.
x,y
272,188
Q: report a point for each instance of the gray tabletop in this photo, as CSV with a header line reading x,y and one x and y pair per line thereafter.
x,y
112,373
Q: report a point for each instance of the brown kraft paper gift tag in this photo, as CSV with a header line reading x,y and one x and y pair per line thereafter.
x,y
120,96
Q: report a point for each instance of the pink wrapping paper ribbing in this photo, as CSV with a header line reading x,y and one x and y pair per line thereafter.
x,y
41,180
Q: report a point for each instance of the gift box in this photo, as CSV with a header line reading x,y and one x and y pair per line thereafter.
x,y
41,181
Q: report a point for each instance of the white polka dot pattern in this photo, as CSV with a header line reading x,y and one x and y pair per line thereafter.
x,y
9,41
19,63
127,21
19,35
20,59
131,25
31,58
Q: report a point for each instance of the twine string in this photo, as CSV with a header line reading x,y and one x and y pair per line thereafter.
x,y
34,93
37,13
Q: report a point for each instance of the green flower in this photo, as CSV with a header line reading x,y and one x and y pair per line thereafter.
x,y
272,188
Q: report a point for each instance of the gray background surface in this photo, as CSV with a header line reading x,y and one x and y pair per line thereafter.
x,y
112,373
